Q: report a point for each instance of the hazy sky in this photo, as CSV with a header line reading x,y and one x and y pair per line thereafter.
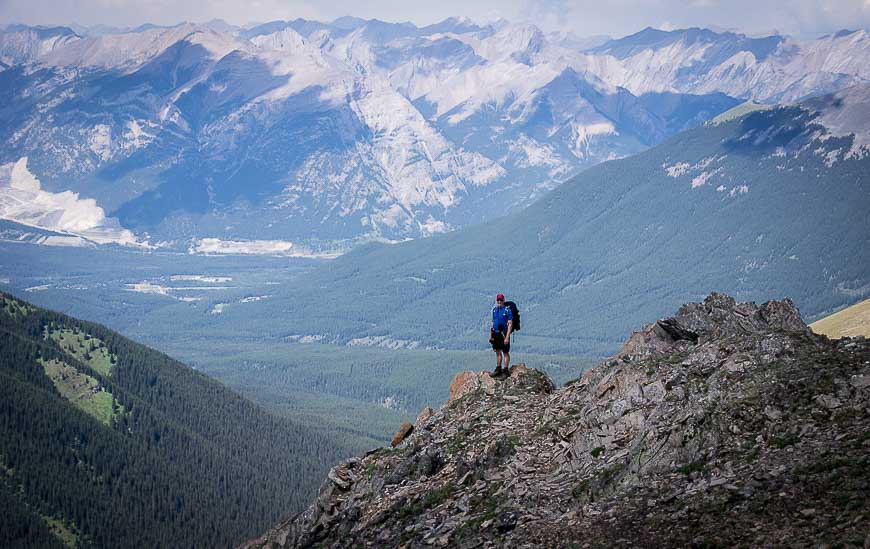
x,y
584,17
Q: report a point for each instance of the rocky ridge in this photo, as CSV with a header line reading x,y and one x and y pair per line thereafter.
x,y
728,423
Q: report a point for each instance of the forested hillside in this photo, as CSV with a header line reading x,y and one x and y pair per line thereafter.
x,y
770,203
108,443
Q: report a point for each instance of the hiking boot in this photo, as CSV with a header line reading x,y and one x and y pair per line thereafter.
x,y
497,373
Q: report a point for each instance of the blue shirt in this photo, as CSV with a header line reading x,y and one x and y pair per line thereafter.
x,y
500,317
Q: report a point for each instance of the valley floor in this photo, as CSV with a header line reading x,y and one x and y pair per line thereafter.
x,y
178,304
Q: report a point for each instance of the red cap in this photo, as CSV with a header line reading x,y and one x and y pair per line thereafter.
x,y
499,297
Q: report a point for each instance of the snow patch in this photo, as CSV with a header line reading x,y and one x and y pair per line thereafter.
x,y
100,141
533,153
741,189
702,179
312,338
676,170
581,135
136,137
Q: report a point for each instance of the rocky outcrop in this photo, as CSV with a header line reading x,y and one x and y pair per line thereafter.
x,y
728,423
404,431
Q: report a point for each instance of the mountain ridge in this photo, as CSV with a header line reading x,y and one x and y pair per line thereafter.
x,y
726,413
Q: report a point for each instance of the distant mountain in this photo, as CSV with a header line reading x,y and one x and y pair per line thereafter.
x,y
108,443
771,68
24,44
331,134
772,202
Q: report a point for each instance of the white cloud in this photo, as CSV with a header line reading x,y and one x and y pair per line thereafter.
x,y
583,17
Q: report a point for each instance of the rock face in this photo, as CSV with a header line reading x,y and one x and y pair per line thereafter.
x,y
404,431
729,423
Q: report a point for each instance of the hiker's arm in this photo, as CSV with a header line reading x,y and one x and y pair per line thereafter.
x,y
510,329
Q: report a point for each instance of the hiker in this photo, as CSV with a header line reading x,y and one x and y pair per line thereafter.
x,y
500,335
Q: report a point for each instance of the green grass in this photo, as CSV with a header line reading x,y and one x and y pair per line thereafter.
x,y
84,348
694,467
581,491
489,510
431,499
14,308
61,531
82,390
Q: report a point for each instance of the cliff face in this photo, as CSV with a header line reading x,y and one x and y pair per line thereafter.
x,y
727,423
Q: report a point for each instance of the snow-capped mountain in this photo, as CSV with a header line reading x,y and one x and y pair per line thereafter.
x,y
23,44
773,68
323,132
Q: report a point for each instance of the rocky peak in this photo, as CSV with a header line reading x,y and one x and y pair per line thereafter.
x,y
719,316
728,423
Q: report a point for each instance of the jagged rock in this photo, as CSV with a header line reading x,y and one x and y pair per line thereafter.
x,y
860,382
726,424
772,413
406,429
718,316
466,382
341,477
424,416
828,401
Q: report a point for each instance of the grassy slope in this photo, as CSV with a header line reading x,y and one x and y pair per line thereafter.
x,y
738,111
851,321
86,349
82,390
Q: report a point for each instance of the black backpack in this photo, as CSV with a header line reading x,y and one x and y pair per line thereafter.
x,y
515,313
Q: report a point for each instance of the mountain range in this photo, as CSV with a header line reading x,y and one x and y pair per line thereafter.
x,y
324,135
758,202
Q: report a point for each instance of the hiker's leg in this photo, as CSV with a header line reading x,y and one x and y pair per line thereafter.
x,y
498,358
507,360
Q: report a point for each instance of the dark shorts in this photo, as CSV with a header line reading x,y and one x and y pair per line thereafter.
x,y
498,343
